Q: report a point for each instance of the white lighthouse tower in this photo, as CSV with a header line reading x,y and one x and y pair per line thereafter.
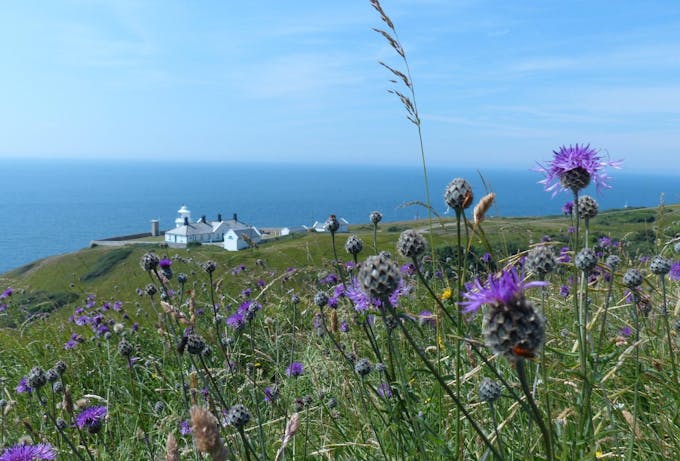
x,y
184,216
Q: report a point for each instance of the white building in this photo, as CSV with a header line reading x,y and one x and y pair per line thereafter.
x,y
203,231
320,226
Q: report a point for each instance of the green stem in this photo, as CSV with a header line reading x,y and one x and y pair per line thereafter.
x,y
536,413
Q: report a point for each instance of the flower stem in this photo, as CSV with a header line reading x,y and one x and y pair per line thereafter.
x,y
536,413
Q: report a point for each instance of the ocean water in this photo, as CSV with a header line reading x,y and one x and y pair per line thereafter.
x,y
51,207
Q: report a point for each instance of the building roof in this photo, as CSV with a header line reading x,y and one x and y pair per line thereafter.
x,y
196,228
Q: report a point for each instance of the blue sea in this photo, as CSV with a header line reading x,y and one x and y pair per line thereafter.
x,y
50,207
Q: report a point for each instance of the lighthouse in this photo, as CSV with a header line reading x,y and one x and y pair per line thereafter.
x,y
184,216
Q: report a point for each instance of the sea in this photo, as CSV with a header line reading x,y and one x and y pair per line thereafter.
x,y
50,207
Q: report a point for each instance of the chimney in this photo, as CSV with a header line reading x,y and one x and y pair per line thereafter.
x,y
235,217
219,217
155,228
186,221
203,219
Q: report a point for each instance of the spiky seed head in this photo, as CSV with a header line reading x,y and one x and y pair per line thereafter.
x,y
151,289
586,260
660,265
332,225
149,262
354,245
209,266
541,260
125,348
182,278
514,330
458,194
633,278
587,207
613,262
321,299
36,378
60,366
295,299
159,407
411,244
489,390
57,387
375,217
575,179
363,367
378,276
195,344
52,375
238,416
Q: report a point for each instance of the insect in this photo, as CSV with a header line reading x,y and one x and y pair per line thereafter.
x,y
467,200
520,351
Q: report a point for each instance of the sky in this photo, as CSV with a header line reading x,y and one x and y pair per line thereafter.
x,y
497,83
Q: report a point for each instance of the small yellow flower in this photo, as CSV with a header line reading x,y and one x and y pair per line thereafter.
x,y
599,454
447,293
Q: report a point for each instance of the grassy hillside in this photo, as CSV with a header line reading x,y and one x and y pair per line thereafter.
x,y
373,384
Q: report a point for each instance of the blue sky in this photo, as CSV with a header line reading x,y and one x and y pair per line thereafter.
x,y
498,83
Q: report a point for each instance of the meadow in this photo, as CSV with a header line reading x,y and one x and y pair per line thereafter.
x,y
469,338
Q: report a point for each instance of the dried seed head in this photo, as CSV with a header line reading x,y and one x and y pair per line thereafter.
x,y
587,207
411,244
321,299
363,367
354,245
541,261
375,217
238,416
195,344
660,265
209,266
515,329
36,377
332,225
586,260
613,262
489,390
482,207
149,262
632,278
378,276
125,348
151,289
458,194
206,433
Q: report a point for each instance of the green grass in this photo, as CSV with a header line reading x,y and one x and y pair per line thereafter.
x,y
341,415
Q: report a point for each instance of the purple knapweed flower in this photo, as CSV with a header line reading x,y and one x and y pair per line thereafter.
x,y
344,326
185,427
408,269
23,386
427,318
73,342
7,293
295,369
626,331
575,159
604,242
564,255
271,393
384,390
236,321
568,208
504,288
564,291
165,263
674,274
91,418
21,452
486,258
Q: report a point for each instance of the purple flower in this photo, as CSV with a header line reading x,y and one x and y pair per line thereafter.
x,y
184,427
564,291
571,230
165,262
271,393
604,242
330,279
674,274
504,289
236,321
295,369
3,307
564,255
73,342
486,259
7,293
408,269
344,326
23,386
575,157
384,390
91,418
28,452
625,331
568,208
